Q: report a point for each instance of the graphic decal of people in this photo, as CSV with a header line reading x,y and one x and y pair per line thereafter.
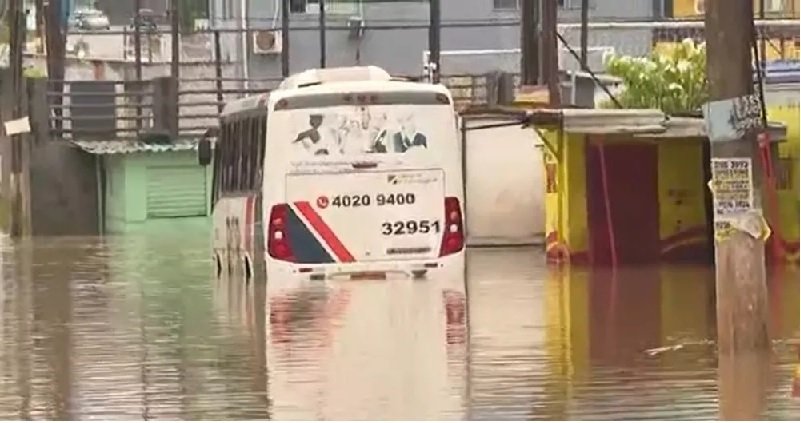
x,y
408,137
360,131
311,138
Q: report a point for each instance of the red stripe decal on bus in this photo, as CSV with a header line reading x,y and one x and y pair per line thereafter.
x,y
328,236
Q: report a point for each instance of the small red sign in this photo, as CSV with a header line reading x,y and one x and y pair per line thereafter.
x,y
322,201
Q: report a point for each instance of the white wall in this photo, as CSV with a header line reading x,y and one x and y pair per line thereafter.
x,y
505,187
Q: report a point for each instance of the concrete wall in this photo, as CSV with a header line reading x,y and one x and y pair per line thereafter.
x,y
63,190
400,49
505,186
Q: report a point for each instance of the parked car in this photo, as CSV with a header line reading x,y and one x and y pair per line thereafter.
x,y
89,19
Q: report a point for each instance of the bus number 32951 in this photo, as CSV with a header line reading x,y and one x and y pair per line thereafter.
x,y
399,199
410,227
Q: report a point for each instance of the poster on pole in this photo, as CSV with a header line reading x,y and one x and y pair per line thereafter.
x,y
732,179
731,119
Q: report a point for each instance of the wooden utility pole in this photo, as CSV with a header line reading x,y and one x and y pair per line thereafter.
x,y
549,49
16,20
529,42
739,256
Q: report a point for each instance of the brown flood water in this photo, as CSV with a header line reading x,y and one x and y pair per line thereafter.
x,y
137,328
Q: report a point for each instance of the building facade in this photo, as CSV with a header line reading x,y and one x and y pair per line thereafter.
x,y
394,35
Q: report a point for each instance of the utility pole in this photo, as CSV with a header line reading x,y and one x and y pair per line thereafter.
x,y
321,16
138,58
529,42
285,38
175,23
585,11
739,256
138,39
16,20
55,38
549,49
39,7
434,34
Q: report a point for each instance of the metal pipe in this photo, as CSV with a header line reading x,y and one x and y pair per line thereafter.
x,y
434,34
243,9
285,38
322,32
218,70
176,46
137,39
585,11
529,34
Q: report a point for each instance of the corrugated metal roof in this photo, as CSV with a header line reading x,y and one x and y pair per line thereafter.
x,y
609,121
690,127
129,147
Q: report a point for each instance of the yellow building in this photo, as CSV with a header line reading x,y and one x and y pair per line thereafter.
x,y
773,8
781,29
628,186
782,106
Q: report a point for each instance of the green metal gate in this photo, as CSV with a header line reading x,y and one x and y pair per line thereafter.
x,y
176,191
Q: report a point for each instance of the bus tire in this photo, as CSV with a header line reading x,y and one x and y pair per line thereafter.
x,y
248,270
218,265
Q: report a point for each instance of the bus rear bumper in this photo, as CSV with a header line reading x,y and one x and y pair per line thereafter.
x,y
450,268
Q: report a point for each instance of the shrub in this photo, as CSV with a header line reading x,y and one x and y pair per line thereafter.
x,y
671,79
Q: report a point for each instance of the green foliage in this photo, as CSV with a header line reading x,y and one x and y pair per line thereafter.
x,y
34,72
672,79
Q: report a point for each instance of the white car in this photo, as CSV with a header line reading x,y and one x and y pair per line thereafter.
x,y
89,19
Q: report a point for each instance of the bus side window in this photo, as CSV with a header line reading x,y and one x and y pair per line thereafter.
x,y
236,153
245,158
216,170
260,139
222,151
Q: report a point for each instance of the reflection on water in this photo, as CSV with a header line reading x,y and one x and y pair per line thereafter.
x,y
136,328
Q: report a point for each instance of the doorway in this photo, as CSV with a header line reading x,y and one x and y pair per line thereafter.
x,y
631,173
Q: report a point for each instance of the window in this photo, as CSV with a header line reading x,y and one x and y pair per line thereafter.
x,y
239,157
343,7
505,4
574,4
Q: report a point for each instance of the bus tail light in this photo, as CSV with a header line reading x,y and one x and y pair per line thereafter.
x,y
277,239
453,239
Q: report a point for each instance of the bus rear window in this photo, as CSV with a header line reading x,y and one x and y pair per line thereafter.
x,y
359,130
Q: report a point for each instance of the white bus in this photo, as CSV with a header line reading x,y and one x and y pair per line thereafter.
x,y
355,175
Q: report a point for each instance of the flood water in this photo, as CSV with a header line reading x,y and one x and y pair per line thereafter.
x,y
136,327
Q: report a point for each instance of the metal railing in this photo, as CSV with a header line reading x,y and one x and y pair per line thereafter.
x,y
123,110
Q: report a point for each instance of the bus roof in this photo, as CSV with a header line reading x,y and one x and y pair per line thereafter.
x,y
245,104
332,81
334,75
360,86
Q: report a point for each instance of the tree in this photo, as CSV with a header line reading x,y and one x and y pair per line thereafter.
x,y
672,79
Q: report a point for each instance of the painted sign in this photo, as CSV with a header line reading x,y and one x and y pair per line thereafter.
x,y
730,119
731,183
